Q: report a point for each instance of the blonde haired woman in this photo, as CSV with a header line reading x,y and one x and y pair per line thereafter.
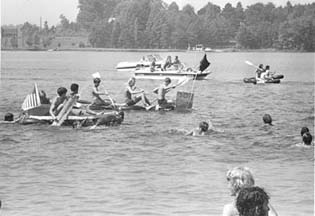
x,y
238,178
133,95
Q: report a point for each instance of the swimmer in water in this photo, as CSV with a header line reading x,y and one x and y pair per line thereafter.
x,y
9,118
205,128
267,119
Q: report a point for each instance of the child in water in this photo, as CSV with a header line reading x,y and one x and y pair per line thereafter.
x,y
205,128
306,138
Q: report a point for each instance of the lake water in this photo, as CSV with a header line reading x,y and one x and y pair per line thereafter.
x,y
147,166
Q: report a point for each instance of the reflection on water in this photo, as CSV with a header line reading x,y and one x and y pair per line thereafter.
x,y
146,166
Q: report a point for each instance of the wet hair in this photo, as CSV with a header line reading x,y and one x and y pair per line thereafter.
x,y
267,67
74,87
167,79
307,138
304,130
96,80
8,117
267,119
240,177
61,91
204,126
250,202
132,79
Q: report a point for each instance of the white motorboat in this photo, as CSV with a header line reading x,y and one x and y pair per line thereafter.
x,y
198,74
145,62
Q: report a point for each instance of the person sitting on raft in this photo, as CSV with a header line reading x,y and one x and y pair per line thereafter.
x,y
58,102
259,71
267,75
168,63
98,102
133,95
161,92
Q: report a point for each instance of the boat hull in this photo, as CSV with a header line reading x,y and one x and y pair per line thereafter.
x,y
253,80
170,74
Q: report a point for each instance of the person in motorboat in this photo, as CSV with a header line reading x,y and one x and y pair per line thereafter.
x,y
58,102
153,64
168,63
161,91
177,64
98,102
133,94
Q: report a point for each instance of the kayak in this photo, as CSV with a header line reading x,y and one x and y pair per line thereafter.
x,y
253,80
275,79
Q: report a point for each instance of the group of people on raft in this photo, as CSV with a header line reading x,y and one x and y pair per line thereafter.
x,y
133,95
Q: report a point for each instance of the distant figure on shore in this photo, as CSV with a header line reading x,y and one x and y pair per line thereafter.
x,y
239,178
252,201
267,119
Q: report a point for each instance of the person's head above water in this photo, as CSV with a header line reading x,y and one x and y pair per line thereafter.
x,y
307,138
252,201
204,126
304,130
267,119
238,178
62,91
8,117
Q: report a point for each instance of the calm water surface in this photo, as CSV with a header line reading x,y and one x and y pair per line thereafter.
x,y
147,166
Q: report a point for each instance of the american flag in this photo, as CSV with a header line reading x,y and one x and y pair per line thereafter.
x,y
32,100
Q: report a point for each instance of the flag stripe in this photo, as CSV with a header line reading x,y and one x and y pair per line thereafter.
x,y
31,100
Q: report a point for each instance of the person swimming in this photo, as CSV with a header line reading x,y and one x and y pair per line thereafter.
x,y
267,119
205,128
307,139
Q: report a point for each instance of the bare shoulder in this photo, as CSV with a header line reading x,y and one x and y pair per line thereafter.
x,y
229,210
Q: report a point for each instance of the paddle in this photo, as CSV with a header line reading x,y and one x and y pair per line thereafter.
x,y
251,64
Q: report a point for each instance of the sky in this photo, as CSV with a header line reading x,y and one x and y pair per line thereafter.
x,y
20,11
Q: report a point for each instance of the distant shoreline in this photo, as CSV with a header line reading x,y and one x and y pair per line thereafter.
x,y
89,49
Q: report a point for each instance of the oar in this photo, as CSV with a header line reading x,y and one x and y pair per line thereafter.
x,y
251,64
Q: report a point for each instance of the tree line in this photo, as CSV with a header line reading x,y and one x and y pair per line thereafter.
x,y
155,24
